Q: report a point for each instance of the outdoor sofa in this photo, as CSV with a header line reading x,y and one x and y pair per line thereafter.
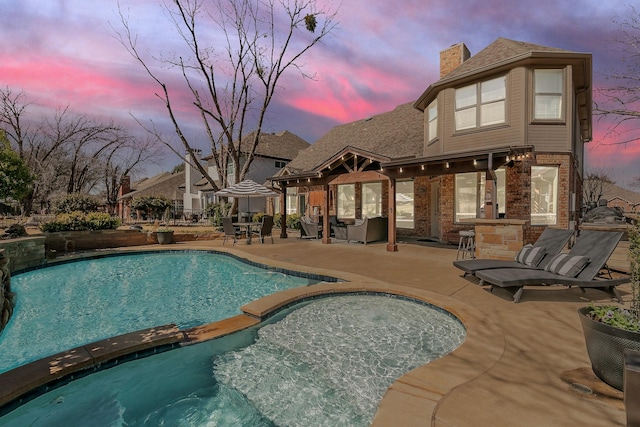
x,y
368,230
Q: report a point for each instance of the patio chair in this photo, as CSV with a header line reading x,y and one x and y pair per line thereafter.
x,y
265,228
580,267
552,241
309,229
230,231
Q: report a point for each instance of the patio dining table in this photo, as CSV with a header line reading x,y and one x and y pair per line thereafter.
x,y
248,226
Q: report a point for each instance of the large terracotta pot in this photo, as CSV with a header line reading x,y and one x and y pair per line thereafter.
x,y
605,346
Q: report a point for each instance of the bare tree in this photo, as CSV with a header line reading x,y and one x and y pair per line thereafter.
x,y
232,87
67,152
593,186
619,104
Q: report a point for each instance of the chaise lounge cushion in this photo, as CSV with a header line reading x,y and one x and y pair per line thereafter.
x,y
530,255
567,265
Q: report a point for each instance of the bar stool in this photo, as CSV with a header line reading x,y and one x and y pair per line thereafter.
x,y
467,245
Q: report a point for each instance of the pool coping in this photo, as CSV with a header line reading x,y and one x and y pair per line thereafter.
x,y
411,400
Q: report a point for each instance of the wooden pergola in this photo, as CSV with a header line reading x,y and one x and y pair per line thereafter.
x,y
374,167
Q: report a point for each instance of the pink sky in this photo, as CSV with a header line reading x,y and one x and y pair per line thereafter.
x,y
382,54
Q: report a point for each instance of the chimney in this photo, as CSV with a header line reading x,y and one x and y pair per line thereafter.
x,y
125,186
451,58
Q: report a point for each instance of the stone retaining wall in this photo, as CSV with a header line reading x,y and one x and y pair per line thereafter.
x,y
24,252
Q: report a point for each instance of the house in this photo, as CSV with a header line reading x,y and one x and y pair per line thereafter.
x,y
617,197
165,184
500,136
273,152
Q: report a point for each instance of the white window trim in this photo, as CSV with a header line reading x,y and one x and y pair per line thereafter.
x,y
478,104
561,94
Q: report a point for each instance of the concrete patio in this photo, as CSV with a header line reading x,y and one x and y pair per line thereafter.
x,y
535,352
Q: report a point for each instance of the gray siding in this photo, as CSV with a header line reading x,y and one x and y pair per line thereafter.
x,y
519,128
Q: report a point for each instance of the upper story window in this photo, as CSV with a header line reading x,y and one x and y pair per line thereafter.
x,y
548,85
481,104
432,114
280,164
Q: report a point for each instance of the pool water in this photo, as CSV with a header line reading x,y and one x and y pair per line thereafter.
x,y
68,305
323,363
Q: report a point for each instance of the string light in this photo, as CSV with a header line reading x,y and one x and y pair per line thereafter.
x,y
422,167
446,165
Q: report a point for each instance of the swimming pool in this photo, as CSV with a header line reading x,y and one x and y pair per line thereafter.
x,y
323,363
68,305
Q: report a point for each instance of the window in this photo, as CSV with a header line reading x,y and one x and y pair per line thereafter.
x,y
292,200
548,94
544,195
280,164
372,199
482,103
404,204
469,194
346,201
432,116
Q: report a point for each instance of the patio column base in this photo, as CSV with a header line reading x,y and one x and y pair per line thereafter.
x,y
392,247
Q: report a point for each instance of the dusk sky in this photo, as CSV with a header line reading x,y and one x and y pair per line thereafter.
x,y
383,53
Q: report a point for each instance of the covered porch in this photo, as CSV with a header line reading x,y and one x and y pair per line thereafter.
x,y
353,165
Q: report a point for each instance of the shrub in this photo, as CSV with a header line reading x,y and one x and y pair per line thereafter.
x,y
293,221
257,217
277,220
76,202
102,221
216,211
151,206
77,221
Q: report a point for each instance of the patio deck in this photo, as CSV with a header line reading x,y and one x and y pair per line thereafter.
x,y
527,380
516,366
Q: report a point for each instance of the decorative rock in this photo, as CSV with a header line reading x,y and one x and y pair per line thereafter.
x,y
8,298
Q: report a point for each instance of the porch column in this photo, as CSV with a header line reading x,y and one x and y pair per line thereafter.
x,y
392,245
326,227
283,211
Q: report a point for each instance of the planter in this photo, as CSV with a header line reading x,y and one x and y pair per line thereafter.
x,y
165,237
605,346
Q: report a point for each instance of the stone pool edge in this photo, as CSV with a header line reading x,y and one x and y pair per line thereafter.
x,y
413,399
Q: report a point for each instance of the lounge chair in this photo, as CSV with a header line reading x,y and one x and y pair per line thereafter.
x,y
265,228
552,240
230,231
591,252
309,229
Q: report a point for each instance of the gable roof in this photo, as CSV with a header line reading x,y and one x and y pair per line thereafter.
x,y
394,134
282,145
504,54
612,191
163,184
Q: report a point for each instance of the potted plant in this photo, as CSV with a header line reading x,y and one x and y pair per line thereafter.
x,y
609,329
165,236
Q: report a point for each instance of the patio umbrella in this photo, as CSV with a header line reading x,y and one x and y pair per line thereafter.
x,y
247,188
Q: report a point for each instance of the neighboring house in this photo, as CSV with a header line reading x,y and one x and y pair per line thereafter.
x,y
627,200
273,152
500,135
165,184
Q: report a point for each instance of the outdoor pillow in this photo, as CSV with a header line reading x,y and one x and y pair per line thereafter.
x,y
530,255
567,265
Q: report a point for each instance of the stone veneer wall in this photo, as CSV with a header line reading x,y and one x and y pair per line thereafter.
x,y
24,252
499,239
